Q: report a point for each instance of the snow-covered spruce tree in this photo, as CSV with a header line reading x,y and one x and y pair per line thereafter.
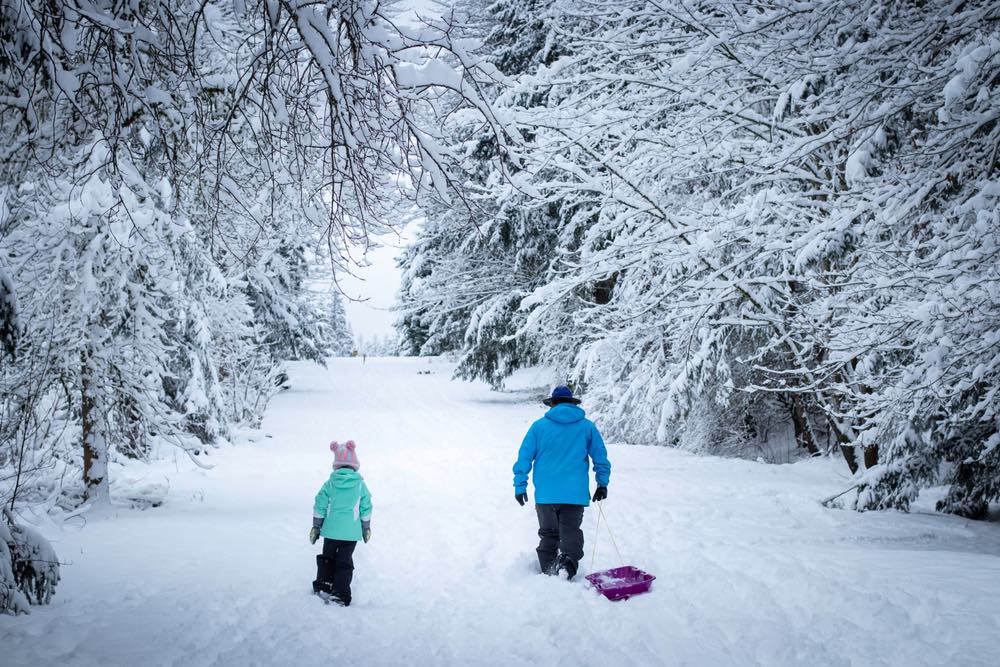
x,y
341,336
387,345
161,189
292,327
474,260
432,318
211,312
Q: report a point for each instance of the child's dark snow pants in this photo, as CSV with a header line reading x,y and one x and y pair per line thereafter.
x,y
335,569
560,536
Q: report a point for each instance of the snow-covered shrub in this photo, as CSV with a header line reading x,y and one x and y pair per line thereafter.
x,y
29,568
12,600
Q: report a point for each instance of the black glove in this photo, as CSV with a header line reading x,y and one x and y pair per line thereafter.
x,y
600,494
366,531
521,498
313,534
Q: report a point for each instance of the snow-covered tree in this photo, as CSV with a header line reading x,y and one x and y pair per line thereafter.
x,y
340,333
29,568
375,345
166,170
471,263
767,212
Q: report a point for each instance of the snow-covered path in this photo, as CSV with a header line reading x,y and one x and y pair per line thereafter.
x,y
751,569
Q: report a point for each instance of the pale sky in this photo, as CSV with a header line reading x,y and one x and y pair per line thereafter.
x,y
378,283
375,286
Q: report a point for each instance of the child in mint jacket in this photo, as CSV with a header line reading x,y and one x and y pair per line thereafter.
x,y
341,516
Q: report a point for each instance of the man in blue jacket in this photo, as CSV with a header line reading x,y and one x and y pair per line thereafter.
x,y
559,446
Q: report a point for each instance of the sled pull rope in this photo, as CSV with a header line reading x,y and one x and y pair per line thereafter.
x,y
597,534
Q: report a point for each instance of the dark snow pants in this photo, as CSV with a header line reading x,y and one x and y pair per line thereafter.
x,y
560,535
335,569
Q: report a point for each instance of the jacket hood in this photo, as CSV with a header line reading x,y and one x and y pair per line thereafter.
x,y
565,413
345,478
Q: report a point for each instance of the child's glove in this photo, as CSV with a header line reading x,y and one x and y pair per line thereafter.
x,y
600,494
521,498
313,534
366,531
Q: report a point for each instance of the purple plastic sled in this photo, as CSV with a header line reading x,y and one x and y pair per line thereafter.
x,y
621,583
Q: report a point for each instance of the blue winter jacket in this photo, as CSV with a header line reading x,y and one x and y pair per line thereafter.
x,y
558,446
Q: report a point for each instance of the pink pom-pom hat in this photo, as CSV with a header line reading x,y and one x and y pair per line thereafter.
x,y
344,454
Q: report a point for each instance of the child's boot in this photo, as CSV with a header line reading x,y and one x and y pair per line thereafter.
x,y
325,569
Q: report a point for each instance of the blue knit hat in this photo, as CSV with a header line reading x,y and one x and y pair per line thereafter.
x,y
561,394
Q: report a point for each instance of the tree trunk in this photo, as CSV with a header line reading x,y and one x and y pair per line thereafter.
x,y
870,457
803,434
95,442
850,457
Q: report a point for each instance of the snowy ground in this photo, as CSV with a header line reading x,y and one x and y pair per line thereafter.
x,y
751,569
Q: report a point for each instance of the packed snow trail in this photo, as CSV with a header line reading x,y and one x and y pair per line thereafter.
x,y
751,569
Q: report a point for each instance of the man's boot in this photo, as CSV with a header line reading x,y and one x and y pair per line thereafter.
x,y
568,565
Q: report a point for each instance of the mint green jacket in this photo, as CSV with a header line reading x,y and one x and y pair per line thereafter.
x,y
343,503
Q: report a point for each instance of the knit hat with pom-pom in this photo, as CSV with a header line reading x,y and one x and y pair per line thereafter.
x,y
344,454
